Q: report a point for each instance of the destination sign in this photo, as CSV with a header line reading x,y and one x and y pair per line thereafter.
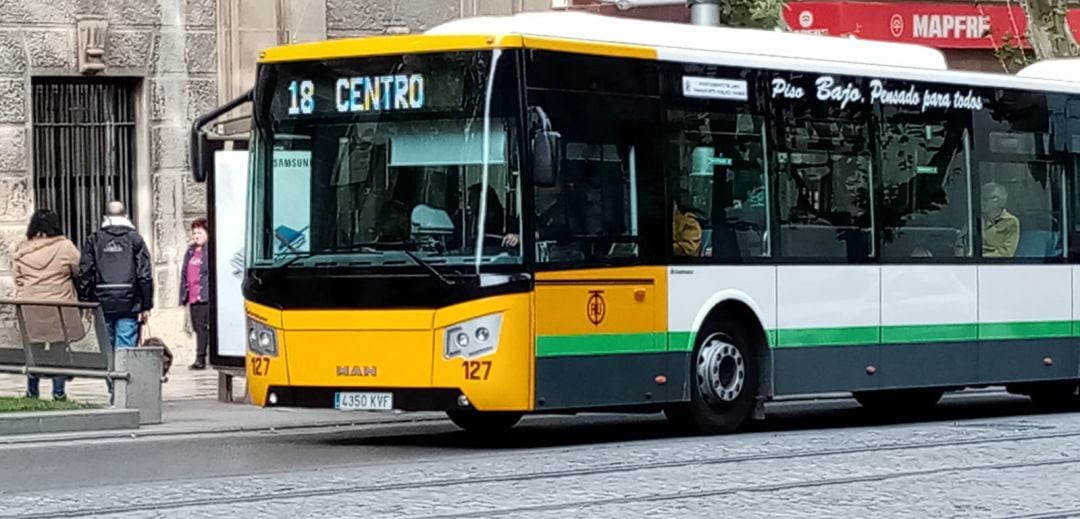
x,y
359,94
373,87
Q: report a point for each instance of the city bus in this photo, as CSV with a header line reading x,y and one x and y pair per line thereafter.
x,y
556,213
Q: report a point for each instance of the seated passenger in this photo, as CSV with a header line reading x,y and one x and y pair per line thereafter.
x,y
686,232
1000,229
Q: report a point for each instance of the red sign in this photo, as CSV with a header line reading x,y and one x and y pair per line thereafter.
x,y
944,25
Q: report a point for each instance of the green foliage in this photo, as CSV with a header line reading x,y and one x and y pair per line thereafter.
x,y
760,14
1012,56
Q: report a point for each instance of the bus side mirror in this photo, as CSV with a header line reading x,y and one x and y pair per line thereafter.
x,y
546,158
202,152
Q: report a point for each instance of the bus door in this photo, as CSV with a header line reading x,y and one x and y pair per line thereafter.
x,y
600,332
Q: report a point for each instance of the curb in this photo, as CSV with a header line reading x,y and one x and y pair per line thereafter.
x,y
50,422
79,435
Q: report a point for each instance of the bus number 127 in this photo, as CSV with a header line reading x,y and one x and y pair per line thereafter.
x,y
476,369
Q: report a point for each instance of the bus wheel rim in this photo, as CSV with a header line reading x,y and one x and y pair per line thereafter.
x,y
721,370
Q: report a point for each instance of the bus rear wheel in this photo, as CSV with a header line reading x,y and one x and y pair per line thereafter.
x,y
899,400
723,381
484,421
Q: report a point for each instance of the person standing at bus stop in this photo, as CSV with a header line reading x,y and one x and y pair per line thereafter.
x,y
195,289
115,272
46,266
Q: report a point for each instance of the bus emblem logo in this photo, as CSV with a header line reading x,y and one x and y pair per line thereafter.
x,y
596,308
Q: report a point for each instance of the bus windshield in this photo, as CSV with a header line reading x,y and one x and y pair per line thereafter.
x,y
386,161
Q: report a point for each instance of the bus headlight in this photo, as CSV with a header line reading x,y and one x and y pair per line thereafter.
x,y
261,339
473,338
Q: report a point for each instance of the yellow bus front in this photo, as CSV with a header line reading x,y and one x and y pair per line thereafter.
x,y
475,354
386,267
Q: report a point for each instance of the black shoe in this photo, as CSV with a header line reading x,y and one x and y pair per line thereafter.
x,y
197,366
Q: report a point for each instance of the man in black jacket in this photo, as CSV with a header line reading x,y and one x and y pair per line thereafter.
x,y
115,271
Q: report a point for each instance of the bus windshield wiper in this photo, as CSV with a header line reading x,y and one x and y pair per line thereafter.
x,y
374,246
427,266
348,248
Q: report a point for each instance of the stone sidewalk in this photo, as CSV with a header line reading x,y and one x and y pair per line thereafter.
x,y
183,384
190,406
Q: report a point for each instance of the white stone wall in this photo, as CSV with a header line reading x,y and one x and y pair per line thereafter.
x,y
171,46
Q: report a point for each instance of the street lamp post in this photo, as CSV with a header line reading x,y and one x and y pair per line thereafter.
x,y
702,12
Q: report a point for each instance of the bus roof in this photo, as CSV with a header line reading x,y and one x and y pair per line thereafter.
x,y
1067,69
607,35
624,37
587,27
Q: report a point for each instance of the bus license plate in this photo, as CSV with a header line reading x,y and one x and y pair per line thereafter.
x,y
364,401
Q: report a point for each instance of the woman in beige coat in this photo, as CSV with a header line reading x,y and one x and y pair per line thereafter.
x,y
46,266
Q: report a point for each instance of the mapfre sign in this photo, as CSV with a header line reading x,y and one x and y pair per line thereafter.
x,y
943,25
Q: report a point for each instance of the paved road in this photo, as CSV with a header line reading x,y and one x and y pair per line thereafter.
x,y
982,456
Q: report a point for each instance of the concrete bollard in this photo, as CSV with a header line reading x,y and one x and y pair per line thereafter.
x,y
142,390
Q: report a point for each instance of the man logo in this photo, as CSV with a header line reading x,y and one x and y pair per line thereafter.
x,y
806,19
896,25
357,371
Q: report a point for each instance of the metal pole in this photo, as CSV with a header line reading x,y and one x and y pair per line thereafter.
x,y
704,12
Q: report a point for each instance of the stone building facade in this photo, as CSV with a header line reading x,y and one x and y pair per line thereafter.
x,y
171,60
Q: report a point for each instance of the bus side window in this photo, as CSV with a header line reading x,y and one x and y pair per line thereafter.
x,y
923,206
720,188
1020,180
592,214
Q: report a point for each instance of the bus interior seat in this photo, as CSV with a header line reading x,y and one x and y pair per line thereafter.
x,y
705,247
750,240
1039,237
812,241
1039,244
940,241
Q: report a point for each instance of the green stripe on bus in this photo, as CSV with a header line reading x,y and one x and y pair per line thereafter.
x,y
649,342
929,333
923,333
681,341
600,344
684,341
828,336
1033,330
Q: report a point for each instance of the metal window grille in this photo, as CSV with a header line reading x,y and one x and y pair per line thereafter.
x,y
84,149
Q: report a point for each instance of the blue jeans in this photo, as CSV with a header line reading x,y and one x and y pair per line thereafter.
x,y
123,330
33,391
123,333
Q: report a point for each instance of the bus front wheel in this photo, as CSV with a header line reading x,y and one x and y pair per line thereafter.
x,y
484,421
723,381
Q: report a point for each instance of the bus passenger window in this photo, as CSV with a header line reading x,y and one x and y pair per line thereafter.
x,y
720,207
1020,210
1020,187
926,185
826,206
